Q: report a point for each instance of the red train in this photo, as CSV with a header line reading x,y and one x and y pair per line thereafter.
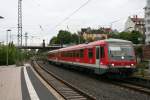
x,y
102,57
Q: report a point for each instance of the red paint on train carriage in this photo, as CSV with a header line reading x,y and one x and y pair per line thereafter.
x,y
101,56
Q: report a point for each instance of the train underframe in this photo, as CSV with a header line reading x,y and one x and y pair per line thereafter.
x,y
109,72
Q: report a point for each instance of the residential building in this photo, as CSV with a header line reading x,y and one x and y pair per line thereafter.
x,y
95,34
147,22
135,24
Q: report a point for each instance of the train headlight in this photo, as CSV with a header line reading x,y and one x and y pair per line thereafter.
x,y
132,64
113,64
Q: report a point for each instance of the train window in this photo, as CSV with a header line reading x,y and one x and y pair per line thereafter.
x,y
102,53
81,53
64,54
77,54
70,54
97,53
90,53
74,53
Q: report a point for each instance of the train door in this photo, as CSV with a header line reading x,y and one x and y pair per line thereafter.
x,y
97,56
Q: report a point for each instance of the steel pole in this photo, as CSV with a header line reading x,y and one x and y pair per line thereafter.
x,y
7,49
7,45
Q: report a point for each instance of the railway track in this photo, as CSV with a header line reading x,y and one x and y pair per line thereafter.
x,y
145,83
66,90
134,83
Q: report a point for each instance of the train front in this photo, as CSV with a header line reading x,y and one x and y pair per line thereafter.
x,y
121,58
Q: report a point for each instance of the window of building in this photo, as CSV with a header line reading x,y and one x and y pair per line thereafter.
x,y
148,28
148,21
90,53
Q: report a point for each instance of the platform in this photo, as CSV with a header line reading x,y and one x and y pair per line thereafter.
x,y
22,83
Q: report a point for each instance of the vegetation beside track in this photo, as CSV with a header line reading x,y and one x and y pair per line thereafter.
x,y
15,56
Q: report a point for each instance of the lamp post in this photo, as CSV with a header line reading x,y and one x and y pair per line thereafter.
x,y
7,46
1,17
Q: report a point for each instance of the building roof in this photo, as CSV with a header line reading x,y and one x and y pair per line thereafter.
x,y
137,20
101,30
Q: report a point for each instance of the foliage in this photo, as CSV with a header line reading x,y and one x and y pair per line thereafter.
x,y
75,38
14,55
114,35
143,65
134,36
141,68
54,40
139,52
11,54
66,37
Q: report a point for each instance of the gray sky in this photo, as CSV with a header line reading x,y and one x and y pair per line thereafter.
x,y
48,13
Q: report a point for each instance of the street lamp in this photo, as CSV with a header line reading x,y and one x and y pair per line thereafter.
x,y
7,46
1,17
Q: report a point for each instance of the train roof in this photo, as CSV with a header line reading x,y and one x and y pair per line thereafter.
x,y
117,40
91,44
108,41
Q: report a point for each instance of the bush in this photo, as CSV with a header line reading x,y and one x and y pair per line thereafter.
x,y
14,55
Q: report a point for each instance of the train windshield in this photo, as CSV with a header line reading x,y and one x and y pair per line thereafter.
x,y
121,52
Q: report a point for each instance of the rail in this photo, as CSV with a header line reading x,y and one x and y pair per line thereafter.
x,y
134,83
65,89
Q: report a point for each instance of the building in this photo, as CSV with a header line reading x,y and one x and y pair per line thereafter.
x,y
135,24
95,34
147,22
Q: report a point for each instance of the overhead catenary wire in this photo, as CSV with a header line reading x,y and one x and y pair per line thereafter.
x,y
70,15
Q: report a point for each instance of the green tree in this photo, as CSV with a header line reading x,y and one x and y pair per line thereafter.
x,y
64,37
75,38
134,36
54,40
14,55
114,35
124,35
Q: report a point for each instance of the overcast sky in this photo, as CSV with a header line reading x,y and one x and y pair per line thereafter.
x,y
49,13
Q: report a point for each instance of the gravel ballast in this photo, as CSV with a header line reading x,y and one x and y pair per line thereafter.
x,y
101,90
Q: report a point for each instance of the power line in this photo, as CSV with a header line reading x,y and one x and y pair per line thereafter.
x,y
70,15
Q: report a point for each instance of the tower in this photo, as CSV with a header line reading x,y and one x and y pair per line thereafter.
x,y
19,22
147,22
